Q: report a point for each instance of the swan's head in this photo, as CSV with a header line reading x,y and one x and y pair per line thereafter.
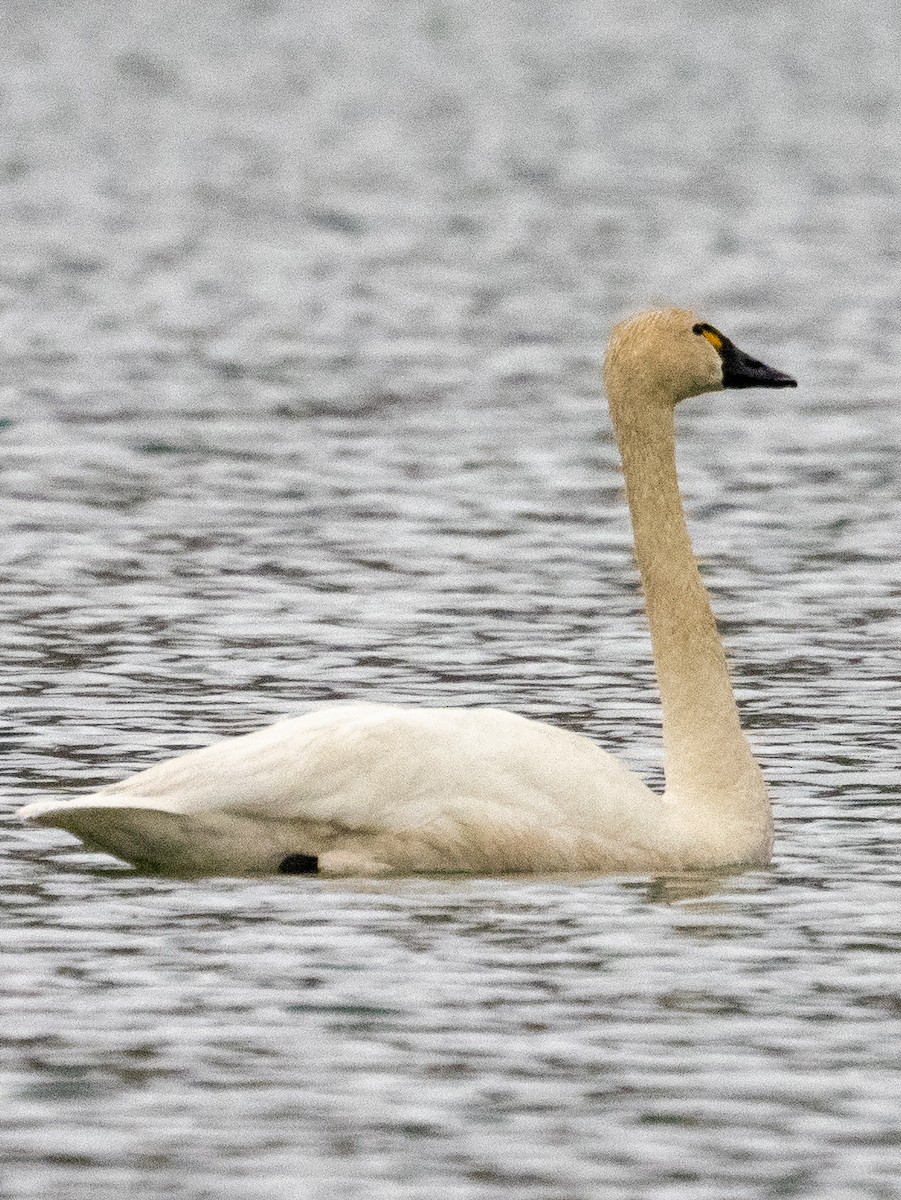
x,y
671,353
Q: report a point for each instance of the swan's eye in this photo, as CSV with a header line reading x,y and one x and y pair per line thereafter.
x,y
713,336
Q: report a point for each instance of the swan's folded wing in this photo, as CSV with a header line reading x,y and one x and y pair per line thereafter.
x,y
365,788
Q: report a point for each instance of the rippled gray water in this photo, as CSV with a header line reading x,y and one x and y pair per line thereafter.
x,y
301,307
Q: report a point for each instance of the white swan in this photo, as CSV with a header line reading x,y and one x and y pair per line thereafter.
x,y
374,788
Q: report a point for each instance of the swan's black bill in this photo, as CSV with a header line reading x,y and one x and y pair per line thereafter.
x,y
740,370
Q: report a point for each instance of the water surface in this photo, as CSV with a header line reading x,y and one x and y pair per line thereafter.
x,y
302,308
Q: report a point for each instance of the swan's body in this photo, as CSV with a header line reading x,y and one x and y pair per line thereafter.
x,y
369,788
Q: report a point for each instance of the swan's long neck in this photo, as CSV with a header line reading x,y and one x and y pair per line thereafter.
x,y
707,758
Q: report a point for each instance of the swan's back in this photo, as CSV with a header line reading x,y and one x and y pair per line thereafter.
x,y
369,787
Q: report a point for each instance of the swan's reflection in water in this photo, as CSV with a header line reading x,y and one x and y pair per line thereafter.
x,y
689,885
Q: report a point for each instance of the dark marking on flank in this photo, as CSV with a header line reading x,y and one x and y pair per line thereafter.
x,y
299,864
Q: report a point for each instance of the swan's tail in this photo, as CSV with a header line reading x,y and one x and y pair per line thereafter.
x,y
153,838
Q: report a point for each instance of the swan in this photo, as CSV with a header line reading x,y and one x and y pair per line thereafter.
x,y
371,789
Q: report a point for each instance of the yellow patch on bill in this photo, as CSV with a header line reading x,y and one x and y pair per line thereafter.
x,y
714,338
